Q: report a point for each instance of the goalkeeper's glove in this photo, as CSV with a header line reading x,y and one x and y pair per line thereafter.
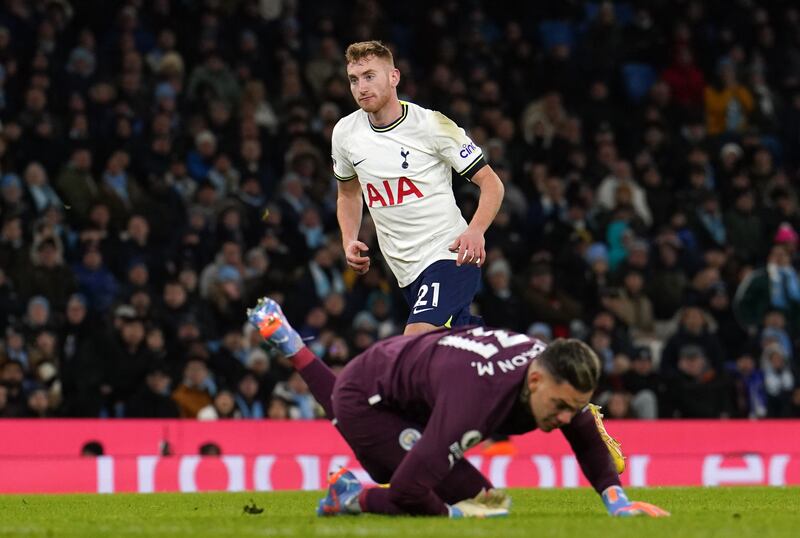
x,y
487,503
617,504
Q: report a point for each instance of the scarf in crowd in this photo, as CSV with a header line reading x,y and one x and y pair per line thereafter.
x,y
119,184
714,226
44,196
325,282
784,286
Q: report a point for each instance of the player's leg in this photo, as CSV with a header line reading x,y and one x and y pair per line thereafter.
x,y
441,296
380,439
273,326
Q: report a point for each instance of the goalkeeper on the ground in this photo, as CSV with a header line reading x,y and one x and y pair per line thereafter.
x,y
411,406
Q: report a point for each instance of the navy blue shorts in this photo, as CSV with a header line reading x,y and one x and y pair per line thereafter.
x,y
441,295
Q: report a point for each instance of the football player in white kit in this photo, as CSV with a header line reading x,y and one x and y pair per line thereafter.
x,y
398,156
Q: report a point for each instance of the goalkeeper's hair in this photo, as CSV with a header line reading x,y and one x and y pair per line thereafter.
x,y
364,49
572,361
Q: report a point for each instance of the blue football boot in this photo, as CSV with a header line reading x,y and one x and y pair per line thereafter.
x,y
271,323
342,498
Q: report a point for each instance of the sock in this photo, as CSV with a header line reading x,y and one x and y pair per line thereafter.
x,y
318,377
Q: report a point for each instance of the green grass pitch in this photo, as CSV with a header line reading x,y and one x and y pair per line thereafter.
x,y
722,512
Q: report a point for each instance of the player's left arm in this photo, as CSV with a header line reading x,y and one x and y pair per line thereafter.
x,y
457,149
598,466
471,245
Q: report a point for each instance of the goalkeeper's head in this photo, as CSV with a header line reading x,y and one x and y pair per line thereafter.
x,y
560,382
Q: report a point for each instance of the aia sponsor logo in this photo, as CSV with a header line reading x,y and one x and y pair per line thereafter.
x,y
391,192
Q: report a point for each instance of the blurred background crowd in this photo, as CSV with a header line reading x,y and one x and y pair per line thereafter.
x,y
165,163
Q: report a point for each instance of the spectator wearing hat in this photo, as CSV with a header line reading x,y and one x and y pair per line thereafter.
x,y
200,160
730,162
499,305
787,235
695,389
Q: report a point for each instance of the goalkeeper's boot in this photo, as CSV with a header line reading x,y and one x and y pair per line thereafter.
x,y
343,491
614,446
487,503
271,323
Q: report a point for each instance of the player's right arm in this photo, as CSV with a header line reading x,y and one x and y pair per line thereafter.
x,y
599,467
349,203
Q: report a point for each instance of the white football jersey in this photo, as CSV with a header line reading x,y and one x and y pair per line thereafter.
x,y
405,173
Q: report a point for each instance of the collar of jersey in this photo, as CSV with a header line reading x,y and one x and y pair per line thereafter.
x,y
395,123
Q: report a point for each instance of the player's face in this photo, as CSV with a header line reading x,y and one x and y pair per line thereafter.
x,y
373,82
554,404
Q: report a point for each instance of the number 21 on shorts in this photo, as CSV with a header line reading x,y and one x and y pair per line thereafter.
x,y
422,302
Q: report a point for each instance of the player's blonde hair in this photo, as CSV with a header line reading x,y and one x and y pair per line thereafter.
x,y
572,361
364,49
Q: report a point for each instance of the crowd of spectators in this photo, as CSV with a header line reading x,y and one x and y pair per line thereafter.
x,y
165,163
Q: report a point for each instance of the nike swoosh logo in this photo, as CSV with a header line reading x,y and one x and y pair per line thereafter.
x,y
281,340
359,162
418,311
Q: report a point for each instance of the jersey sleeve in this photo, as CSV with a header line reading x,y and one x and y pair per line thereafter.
x,y
454,146
342,167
